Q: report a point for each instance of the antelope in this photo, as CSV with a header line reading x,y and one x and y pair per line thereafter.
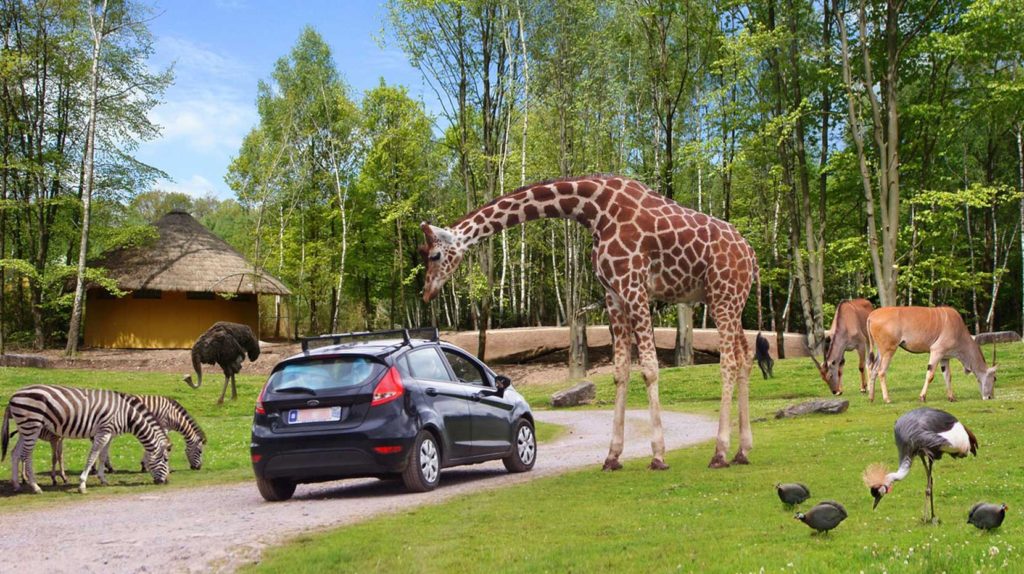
x,y
939,331
849,331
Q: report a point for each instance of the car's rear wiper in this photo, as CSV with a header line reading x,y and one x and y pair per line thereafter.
x,y
305,390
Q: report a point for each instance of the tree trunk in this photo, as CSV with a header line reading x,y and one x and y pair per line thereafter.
x,y
684,335
97,25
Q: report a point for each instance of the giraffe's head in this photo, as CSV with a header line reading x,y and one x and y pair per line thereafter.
x,y
442,254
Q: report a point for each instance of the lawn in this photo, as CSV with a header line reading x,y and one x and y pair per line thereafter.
x,y
227,427
691,518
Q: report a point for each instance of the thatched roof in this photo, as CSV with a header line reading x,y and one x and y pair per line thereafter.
x,y
186,257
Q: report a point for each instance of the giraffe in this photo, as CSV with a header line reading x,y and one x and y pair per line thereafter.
x,y
645,247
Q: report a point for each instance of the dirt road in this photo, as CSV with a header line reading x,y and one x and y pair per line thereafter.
x,y
219,528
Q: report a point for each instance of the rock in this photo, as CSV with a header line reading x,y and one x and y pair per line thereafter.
x,y
829,407
581,394
997,337
37,361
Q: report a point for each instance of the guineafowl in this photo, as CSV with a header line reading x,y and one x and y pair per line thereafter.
x,y
792,492
987,516
823,517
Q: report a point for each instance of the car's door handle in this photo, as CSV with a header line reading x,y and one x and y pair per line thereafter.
x,y
431,392
477,396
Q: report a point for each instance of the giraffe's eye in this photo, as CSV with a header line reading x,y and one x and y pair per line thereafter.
x,y
436,257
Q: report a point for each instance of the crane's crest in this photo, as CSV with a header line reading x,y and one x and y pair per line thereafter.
x,y
874,475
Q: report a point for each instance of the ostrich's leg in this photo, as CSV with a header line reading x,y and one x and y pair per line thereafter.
x,y
224,390
234,392
621,341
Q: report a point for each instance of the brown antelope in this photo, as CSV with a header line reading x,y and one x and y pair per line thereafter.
x,y
939,331
849,331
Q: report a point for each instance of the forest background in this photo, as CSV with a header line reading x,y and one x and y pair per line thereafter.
x,y
863,148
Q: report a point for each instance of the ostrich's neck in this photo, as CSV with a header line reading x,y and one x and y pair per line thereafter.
x,y
578,200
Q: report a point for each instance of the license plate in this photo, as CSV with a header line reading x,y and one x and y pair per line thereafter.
x,y
321,415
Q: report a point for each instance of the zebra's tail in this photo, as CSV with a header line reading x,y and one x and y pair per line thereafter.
x,y
7,437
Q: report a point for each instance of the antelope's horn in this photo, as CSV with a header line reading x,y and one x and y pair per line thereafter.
x,y
813,356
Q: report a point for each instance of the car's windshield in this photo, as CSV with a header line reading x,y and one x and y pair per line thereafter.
x,y
314,377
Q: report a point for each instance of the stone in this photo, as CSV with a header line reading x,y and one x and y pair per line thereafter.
x,y
581,394
37,361
829,407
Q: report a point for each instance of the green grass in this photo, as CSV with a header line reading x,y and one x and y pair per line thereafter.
x,y
227,427
694,519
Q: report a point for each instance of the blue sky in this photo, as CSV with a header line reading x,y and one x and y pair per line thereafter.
x,y
222,48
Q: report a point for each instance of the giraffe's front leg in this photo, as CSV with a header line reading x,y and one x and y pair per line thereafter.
x,y
722,442
621,350
641,316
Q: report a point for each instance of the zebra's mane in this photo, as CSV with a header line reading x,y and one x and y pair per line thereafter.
x,y
188,418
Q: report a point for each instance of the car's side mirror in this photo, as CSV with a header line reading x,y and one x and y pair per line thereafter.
x,y
501,382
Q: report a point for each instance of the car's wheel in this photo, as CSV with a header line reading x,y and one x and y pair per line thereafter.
x,y
524,448
275,489
424,469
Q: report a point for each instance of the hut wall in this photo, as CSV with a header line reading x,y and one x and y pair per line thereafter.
x,y
171,322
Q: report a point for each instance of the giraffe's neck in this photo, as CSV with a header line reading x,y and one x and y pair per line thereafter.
x,y
579,200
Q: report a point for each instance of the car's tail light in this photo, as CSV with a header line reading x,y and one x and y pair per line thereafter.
x,y
259,400
387,449
388,389
257,457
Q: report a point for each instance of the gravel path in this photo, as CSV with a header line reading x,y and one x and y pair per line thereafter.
x,y
218,528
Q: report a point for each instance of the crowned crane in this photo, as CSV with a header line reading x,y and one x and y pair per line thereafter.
x,y
825,516
792,493
985,516
927,433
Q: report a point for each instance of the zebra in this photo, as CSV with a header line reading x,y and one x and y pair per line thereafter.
x,y
70,412
171,415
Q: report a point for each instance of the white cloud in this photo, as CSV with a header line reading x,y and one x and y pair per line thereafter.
x,y
196,186
205,122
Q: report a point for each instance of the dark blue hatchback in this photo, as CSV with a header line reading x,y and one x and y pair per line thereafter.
x,y
385,404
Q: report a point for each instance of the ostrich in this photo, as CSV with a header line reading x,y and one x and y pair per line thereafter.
x,y
927,433
225,344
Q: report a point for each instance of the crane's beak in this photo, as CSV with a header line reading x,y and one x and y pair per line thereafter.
x,y
877,493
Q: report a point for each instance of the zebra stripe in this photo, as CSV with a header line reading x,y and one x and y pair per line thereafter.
x,y
69,412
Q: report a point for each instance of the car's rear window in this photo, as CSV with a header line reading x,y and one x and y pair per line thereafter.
x,y
325,374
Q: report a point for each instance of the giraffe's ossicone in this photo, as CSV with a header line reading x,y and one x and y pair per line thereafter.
x,y
645,247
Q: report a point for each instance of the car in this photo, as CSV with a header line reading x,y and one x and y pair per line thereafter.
x,y
389,404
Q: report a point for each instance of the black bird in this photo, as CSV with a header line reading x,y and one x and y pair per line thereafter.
x,y
792,492
825,516
926,433
987,516
225,344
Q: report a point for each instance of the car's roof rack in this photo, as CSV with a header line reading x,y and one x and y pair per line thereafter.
x,y
431,334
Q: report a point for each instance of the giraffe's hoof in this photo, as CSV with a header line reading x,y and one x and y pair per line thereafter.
x,y
951,399
718,461
740,458
657,464
611,464
863,390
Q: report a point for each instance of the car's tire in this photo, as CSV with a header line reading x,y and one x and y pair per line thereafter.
x,y
275,489
524,448
423,471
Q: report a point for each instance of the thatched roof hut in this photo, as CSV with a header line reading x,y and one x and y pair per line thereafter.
x,y
180,285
